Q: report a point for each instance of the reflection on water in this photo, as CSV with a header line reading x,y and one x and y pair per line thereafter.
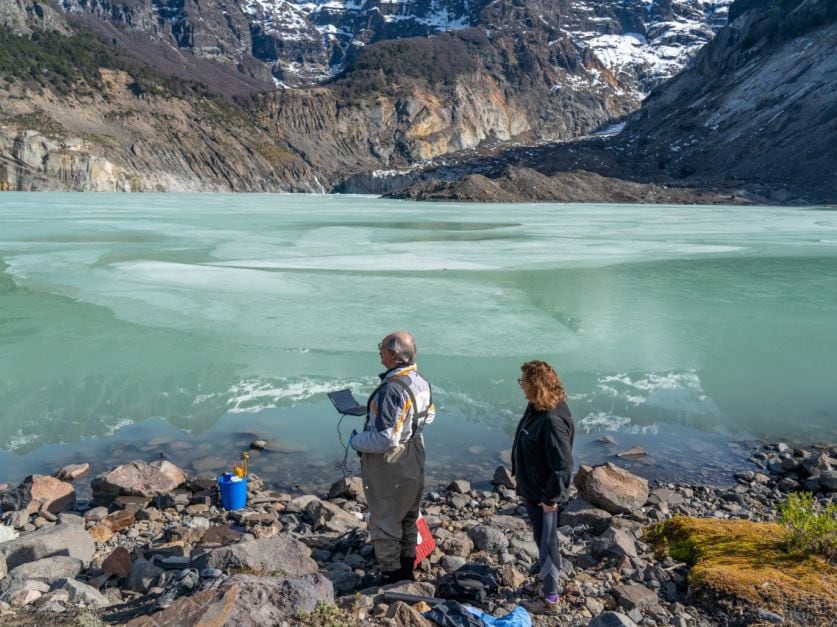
x,y
186,326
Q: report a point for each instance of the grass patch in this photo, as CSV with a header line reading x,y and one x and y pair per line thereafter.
x,y
811,529
746,563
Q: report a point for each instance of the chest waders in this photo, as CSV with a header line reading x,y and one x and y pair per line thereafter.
x,y
393,483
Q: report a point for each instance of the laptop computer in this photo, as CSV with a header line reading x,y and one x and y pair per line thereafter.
x,y
346,404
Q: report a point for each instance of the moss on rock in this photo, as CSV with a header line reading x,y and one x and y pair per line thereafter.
x,y
742,563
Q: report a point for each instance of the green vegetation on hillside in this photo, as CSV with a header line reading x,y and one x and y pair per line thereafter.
x,y
71,64
50,59
389,66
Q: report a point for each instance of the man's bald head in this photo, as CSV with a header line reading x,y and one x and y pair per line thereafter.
x,y
401,345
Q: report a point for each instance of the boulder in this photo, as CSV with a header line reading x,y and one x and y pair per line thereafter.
x,y
219,535
635,596
65,538
39,492
488,538
507,523
503,477
279,554
614,542
46,570
137,478
580,512
143,576
81,593
119,520
246,601
348,488
71,472
118,562
325,516
611,488
457,544
460,486
405,615
611,619
828,480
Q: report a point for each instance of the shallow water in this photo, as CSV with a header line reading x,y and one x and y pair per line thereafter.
x,y
186,325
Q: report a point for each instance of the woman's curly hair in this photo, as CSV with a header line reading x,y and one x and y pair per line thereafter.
x,y
545,388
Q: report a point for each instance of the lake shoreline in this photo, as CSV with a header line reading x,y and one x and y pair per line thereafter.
x,y
143,557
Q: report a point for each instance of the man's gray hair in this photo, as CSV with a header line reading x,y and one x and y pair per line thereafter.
x,y
402,345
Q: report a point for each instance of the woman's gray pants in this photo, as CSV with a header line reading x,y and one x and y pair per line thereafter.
x,y
545,528
393,483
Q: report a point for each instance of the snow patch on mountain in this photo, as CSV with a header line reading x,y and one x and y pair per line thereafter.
x,y
652,48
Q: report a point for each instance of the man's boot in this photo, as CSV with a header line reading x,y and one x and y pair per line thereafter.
x,y
406,572
390,576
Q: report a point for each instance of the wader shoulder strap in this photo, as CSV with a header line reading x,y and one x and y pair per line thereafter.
x,y
416,414
369,402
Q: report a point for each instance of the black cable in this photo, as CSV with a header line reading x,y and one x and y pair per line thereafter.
x,y
344,465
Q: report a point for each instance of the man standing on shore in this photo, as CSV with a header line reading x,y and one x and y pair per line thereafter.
x,y
392,456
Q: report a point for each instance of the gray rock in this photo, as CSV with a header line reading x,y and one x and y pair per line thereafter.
x,y
47,570
770,617
80,593
326,516
459,501
580,512
611,488
615,542
279,554
262,600
71,472
828,480
137,478
347,488
143,576
344,581
61,539
460,486
816,464
503,477
488,538
507,523
635,596
456,544
451,562
611,619
17,518
52,607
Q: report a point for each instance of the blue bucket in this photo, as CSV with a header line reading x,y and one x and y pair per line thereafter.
x,y
233,491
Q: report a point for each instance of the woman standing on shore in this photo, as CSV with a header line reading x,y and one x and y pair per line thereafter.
x,y
542,463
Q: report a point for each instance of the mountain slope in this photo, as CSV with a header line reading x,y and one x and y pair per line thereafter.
x,y
754,117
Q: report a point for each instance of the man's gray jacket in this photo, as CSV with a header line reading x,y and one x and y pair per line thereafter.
x,y
391,414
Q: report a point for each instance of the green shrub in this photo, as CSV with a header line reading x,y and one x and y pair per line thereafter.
x,y
811,528
327,615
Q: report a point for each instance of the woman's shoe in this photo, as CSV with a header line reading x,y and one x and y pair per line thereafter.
x,y
544,605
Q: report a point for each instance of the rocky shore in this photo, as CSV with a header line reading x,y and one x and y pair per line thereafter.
x,y
154,547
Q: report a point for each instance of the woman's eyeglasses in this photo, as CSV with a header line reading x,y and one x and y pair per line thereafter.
x,y
520,382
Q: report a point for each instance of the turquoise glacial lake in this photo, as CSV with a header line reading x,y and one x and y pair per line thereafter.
x,y
186,326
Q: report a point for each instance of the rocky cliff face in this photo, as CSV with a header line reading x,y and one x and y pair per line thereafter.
x,y
752,108
21,17
758,105
753,118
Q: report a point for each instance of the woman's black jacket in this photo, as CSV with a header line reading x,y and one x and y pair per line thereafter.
x,y
542,454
